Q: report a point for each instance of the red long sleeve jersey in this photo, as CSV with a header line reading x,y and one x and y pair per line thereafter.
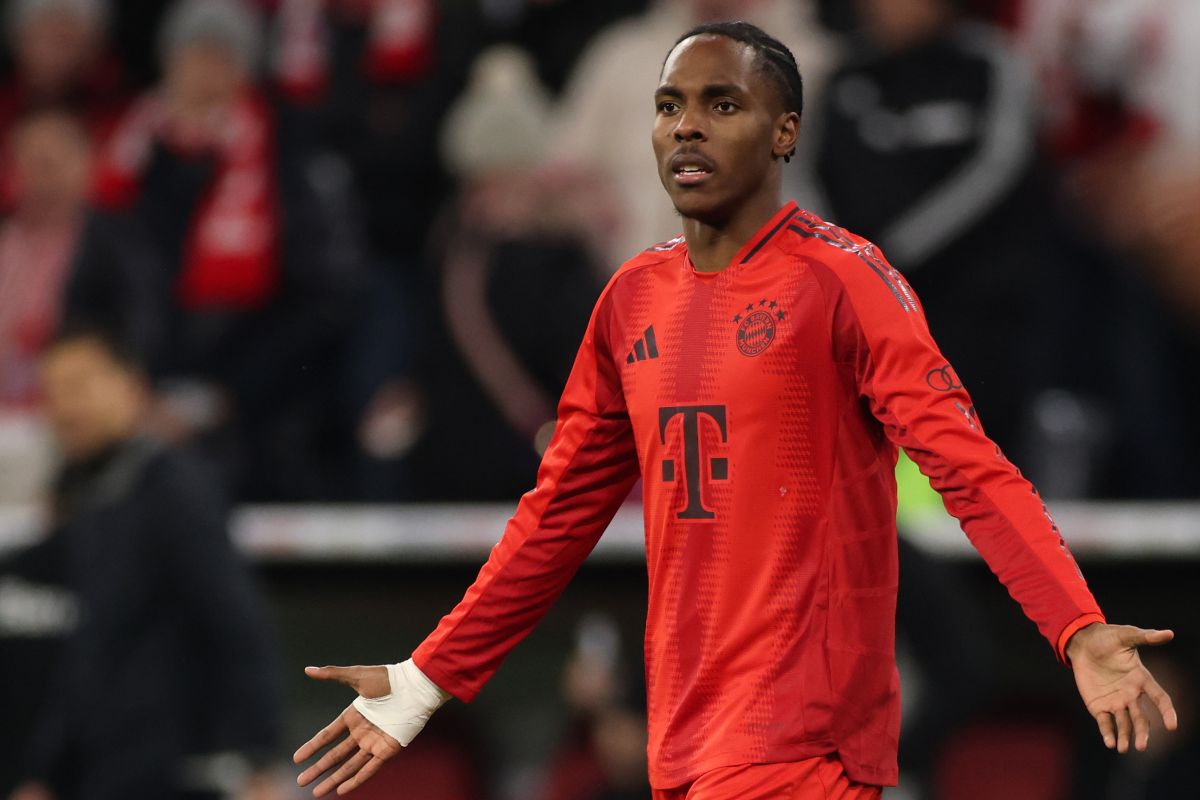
x,y
763,405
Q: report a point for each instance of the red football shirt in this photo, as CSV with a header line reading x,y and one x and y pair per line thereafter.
x,y
763,406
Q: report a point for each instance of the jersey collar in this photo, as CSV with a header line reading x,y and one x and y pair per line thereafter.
x,y
754,246
765,234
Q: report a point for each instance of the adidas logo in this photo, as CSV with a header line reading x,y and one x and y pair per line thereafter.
x,y
643,348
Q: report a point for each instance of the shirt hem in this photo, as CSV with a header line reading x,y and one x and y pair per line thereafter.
x,y
663,779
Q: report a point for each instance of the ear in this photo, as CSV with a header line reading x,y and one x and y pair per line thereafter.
x,y
787,132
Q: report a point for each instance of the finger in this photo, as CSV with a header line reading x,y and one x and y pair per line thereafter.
x,y
1159,637
361,776
344,773
1141,728
1130,636
327,735
1124,729
346,675
1162,701
333,757
1108,730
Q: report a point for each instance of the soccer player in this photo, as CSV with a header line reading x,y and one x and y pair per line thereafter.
x,y
759,373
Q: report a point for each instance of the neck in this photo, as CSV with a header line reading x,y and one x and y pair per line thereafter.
x,y
712,245
93,457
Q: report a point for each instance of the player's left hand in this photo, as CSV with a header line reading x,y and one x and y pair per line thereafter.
x,y
1112,682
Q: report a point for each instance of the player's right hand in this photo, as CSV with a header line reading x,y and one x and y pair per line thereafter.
x,y
398,699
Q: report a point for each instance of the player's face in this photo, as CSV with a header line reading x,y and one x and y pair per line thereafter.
x,y
717,127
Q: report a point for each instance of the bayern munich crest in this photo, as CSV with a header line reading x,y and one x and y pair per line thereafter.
x,y
756,326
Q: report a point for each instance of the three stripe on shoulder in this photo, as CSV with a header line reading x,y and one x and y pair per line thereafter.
x,y
812,228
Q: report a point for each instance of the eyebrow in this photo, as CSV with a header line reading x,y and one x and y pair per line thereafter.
x,y
711,90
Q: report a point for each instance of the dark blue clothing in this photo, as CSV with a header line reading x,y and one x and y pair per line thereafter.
x,y
173,655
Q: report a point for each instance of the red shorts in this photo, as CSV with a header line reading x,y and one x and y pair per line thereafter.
x,y
820,778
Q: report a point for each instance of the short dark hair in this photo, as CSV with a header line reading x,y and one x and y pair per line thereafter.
x,y
775,60
117,347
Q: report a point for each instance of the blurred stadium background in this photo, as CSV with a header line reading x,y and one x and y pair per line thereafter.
x,y
353,244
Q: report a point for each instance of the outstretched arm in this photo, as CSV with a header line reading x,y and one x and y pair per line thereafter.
x,y
588,470
880,333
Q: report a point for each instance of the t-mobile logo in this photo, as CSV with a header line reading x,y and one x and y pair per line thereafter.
x,y
718,467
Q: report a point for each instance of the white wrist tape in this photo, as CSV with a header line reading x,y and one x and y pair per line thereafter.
x,y
403,713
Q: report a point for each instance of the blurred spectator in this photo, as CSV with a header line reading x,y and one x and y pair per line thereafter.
x,y
517,288
555,32
602,137
60,61
1116,69
620,740
37,243
37,615
1119,79
383,394
929,149
376,77
256,263
603,754
173,657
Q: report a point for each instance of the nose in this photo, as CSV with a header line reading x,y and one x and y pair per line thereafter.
x,y
689,128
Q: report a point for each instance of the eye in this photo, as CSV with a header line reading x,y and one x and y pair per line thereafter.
x,y
667,107
726,107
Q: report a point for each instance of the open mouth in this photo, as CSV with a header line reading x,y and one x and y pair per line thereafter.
x,y
689,170
690,174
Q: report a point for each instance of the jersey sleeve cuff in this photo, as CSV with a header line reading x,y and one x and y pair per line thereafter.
x,y
1073,627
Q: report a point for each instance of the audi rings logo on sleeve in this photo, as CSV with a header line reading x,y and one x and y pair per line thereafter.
x,y
943,379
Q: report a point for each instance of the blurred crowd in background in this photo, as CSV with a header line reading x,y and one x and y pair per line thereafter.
x,y
353,241
344,250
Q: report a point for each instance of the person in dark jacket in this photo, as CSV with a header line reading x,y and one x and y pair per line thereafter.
x,y
929,150
37,615
173,659
254,263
